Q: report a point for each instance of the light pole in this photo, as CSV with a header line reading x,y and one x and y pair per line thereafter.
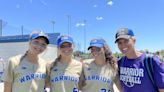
x,y
53,23
0,27
84,35
22,28
69,24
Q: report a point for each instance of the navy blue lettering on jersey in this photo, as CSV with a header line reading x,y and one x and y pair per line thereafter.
x,y
32,77
65,78
99,78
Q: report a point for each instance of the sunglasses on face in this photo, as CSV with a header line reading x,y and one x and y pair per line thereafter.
x,y
66,46
95,49
42,45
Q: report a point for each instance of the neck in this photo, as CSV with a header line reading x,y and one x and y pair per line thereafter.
x,y
33,58
65,59
134,54
100,61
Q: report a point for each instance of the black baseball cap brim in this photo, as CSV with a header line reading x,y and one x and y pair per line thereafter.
x,y
122,37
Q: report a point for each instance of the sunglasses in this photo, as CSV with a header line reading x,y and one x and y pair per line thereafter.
x,y
66,46
42,45
95,49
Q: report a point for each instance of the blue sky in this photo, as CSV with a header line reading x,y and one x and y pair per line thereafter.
x,y
103,18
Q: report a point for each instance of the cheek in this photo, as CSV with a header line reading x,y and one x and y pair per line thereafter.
x,y
119,46
66,49
31,47
94,53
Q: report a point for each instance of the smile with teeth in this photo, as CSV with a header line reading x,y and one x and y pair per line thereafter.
x,y
67,51
124,50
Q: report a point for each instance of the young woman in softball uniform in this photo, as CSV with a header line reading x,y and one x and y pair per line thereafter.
x,y
99,74
65,71
27,73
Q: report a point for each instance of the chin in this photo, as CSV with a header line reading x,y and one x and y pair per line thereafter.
x,y
123,52
38,52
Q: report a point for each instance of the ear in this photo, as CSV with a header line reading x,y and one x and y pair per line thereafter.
x,y
29,43
73,45
134,39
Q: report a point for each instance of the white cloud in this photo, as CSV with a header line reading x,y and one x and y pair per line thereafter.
x,y
77,24
99,18
17,6
95,5
110,3
80,24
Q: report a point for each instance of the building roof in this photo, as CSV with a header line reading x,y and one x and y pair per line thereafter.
x,y
25,38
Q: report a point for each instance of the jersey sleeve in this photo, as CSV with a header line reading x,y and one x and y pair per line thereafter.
x,y
158,66
9,72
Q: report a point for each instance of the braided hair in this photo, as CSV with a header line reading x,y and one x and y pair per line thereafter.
x,y
22,57
55,62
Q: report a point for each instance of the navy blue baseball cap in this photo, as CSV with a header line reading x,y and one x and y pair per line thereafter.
x,y
64,38
123,33
98,42
37,34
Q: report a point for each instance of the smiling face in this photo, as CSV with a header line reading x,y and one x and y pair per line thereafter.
x,y
66,49
37,46
126,46
97,52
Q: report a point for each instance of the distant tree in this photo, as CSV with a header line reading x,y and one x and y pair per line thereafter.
x,y
162,52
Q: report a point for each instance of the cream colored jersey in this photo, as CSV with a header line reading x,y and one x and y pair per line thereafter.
x,y
65,77
25,76
97,78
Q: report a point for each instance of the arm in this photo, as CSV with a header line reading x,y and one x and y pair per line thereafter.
x,y
161,90
159,73
81,83
7,86
8,77
47,83
118,84
47,80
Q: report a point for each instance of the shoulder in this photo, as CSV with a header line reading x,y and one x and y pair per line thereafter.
x,y
43,61
15,59
157,61
121,59
49,65
76,62
88,61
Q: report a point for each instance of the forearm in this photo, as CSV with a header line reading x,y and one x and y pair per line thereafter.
x,y
161,90
7,87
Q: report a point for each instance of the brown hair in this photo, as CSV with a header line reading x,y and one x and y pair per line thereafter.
x,y
110,57
55,62
22,57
